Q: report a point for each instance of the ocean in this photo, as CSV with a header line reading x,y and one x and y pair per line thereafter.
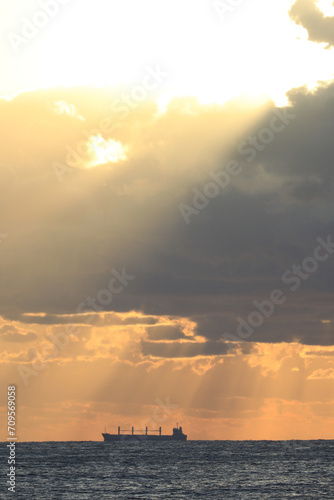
x,y
190,470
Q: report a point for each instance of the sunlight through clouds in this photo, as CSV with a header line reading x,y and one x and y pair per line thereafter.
x,y
64,108
326,7
140,108
105,151
220,64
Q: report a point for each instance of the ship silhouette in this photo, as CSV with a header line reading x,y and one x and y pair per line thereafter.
x,y
144,435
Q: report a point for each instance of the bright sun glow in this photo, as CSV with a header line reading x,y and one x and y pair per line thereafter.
x,y
105,151
256,49
62,107
326,6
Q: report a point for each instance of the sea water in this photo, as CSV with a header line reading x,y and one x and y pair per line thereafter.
x,y
180,470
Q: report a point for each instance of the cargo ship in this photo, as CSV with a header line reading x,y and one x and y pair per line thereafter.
x,y
145,436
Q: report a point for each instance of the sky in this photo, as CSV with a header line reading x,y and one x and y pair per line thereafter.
x,y
166,227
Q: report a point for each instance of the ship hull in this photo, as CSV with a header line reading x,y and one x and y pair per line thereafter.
x,y
141,437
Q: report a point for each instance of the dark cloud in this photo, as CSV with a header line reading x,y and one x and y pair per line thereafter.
x,y
164,332
98,319
186,349
66,238
320,28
